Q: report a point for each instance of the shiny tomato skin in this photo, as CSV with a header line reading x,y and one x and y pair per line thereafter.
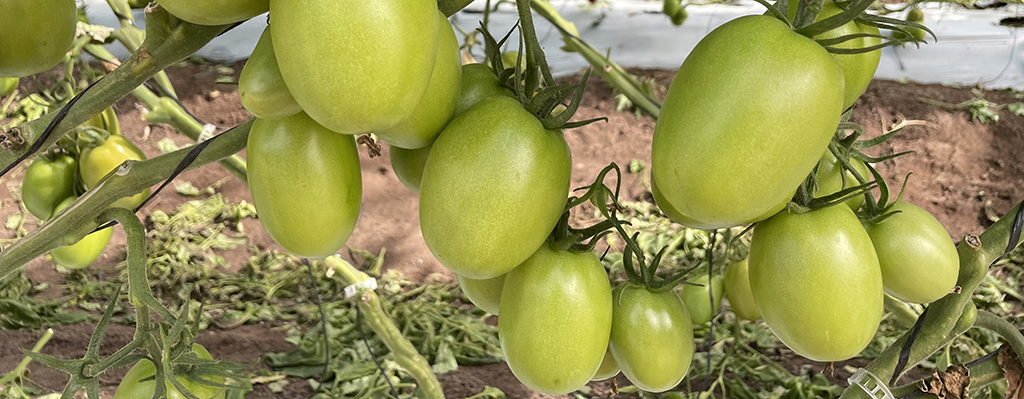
x,y
438,104
918,259
95,163
215,12
84,252
261,86
479,83
408,165
305,182
485,294
609,368
556,315
35,35
652,337
139,383
737,291
737,97
365,75
493,188
698,302
47,182
815,278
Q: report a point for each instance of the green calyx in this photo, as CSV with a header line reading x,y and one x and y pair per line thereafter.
x,y
804,19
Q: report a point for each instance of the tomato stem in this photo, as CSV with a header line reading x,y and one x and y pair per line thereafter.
x,y
1004,329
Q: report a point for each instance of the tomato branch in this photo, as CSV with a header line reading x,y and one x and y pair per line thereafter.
x,y
1004,329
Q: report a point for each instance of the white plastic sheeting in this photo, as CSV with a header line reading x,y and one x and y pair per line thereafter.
x,y
972,48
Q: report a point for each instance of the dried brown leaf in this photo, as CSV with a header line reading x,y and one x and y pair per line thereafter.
x,y
1013,371
954,383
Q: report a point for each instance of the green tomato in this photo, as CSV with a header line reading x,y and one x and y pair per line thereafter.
x,y
698,301
485,294
35,35
48,181
305,183
914,15
85,251
215,12
261,86
755,90
737,290
408,165
832,178
479,83
652,337
609,367
438,104
95,163
106,121
556,315
493,188
918,259
139,383
356,66
816,280
8,85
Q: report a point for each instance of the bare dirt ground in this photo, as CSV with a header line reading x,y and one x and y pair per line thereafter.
x,y
962,172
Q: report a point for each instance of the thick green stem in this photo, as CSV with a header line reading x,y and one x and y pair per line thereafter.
x,y
405,354
534,53
133,177
1005,329
139,293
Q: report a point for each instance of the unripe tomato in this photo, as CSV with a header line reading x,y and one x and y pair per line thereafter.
x,y
652,337
752,89
408,165
215,12
95,163
106,121
85,251
261,87
698,302
8,85
139,383
364,75
817,282
479,83
35,34
918,259
737,290
832,178
485,294
556,315
48,181
305,183
493,188
438,104
914,15
609,368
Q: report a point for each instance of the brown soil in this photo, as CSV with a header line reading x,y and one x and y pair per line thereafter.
x,y
960,170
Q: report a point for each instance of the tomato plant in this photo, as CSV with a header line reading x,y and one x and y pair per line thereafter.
x,y
918,259
96,162
652,337
832,178
493,188
341,74
728,115
556,315
485,294
261,86
737,290
817,282
215,12
696,297
297,155
914,15
48,180
35,35
479,83
139,383
84,252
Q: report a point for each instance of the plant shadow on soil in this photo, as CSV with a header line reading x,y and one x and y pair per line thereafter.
x,y
962,172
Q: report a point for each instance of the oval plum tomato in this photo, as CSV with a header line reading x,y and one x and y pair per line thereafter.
x,y
816,280
35,35
408,165
305,183
48,181
261,86
698,301
752,89
918,259
485,294
479,83
556,314
215,12
493,188
832,178
8,85
342,74
737,290
652,337
95,163
438,104
609,368
85,251
139,382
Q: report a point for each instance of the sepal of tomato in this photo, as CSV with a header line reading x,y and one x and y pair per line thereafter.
x,y
84,252
737,290
697,299
47,182
139,382
215,12
35,35
485,294
479,83
833,178
556,315
96,162
652,337
305,182
261,86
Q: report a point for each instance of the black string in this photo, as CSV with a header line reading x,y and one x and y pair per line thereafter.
x,y
323,323
905,351
1015,231
57,119
359,325
711,294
